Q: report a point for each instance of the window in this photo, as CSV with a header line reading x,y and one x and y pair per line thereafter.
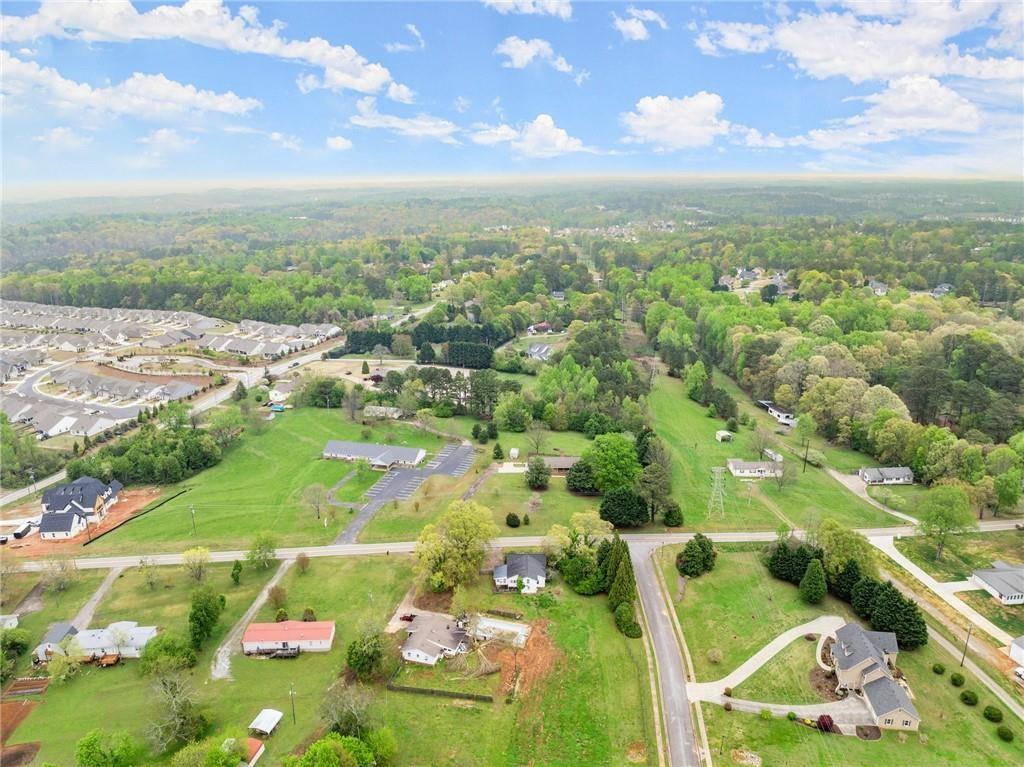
x,y
906,722
888,721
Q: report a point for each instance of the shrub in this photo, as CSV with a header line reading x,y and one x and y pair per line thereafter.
x,y
957,680
625,620
765,715
277,596
727,706
526,520
791,716
282,615
1004,733
538,475
673,515
969,698
512,519
302,563
938,668
308,616
727,692
714,655
993,714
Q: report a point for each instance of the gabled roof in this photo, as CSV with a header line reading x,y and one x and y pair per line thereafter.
x,y
1005,578
432,634
532,566
888,472
854,645
57,633
289,631
59,521
83,492
886,695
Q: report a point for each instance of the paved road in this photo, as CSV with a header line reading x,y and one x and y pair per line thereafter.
x,y
945,591
675,703
399,485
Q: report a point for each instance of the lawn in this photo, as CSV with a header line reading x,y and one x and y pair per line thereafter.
x,y
449,675
258,486
14,588
965,554
951,733
737,608
785,677
355,592
556,442
355,487
1008,617
690,437
900,497
504,493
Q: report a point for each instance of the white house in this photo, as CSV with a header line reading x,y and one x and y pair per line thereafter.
x,y
1017,650
56,634
1003,581
60,526
379,456
753,469
125,638
305,636
530,570
892,475
782,416
433,637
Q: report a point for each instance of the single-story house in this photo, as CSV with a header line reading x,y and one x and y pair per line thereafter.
x,y
432,637
485,628
560,464
753,469
1017,650
723,436
379,456
266,721
541,352
878,287
87,495
863,661
383,412
8,621
57,526
540,327
528,569
558,295
782,416
282,391
125,638
1003,581
305,636
890,475
56,634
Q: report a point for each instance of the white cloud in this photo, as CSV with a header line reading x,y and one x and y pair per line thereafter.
x,y
403,94
166,140
285,141
910,106
753,138
418,45
420,126
676,123
733,36
338,143
151,97
461,104
62,139
521,53
560,8
634,25
540,138
208,23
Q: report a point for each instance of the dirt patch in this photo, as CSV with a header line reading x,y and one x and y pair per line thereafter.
x,y
150,378
522,669
28,686
637,752
826,651
868,732
13,713
748,758
824,685
129,503
433,602
17,756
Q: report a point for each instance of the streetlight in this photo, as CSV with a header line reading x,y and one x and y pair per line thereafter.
x,y
291,694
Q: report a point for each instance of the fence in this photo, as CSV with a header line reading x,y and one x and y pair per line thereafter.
x,y
141,513
436,692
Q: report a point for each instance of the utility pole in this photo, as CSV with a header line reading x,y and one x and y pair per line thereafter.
x,y
291,694
192,509
807,444
970,628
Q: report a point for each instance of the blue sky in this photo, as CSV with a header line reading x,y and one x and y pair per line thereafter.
x,y
105,91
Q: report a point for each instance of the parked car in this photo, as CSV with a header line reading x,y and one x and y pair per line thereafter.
x,y
407,617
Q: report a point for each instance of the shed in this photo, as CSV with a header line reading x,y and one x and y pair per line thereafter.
x,y
266,721
723,436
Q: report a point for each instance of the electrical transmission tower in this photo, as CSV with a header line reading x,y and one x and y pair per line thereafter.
x,y
716,502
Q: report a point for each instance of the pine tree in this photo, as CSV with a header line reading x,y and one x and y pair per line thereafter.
x,y
911,631
708,552
846,579
812,585
624,586
862,596
498,453
611,565
778,562
885,616
604,552
690,561
366,368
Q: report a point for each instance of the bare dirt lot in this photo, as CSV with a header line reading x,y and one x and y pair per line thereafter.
x,y
110,372
13,713
130,503
534,662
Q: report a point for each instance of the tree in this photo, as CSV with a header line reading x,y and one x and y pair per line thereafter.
x,y
690,561
60,572
63,666
384,745
263,551
585,531
365,655
812,585
512,413
944,511
1007,487
196,562
179,720
842,583
498,454
352,401
580,478
205,611
103,749
451,552
174,416
760,441
302,563
625,620
654,485
346,709
314,497
537,474
236,572
240,392
149,574
784,475
673,515
165,652
623,588
277,597
613,461
537,436
366,368
839,545
862,597
696,381
893,612
624,507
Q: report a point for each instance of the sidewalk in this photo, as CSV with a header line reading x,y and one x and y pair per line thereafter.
x,y
885,544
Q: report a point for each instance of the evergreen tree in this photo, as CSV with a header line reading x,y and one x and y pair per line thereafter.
x,y
862,596
623,588
604,551
886,609
812,585
673,515
366,368
690,561
236,572
498,453
894,612
708,551
842,585
611,564
778,562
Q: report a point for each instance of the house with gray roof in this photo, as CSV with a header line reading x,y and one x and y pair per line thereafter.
x,y
432,637
379,456
1004,581
891,475
753,469
529,570
541,352
56,634
864,662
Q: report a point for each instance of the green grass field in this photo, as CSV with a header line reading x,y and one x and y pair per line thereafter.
x,y
556,442
258,486
737,608
356,486
900,497
1008,617
15,587
690,437
788,674
965,554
